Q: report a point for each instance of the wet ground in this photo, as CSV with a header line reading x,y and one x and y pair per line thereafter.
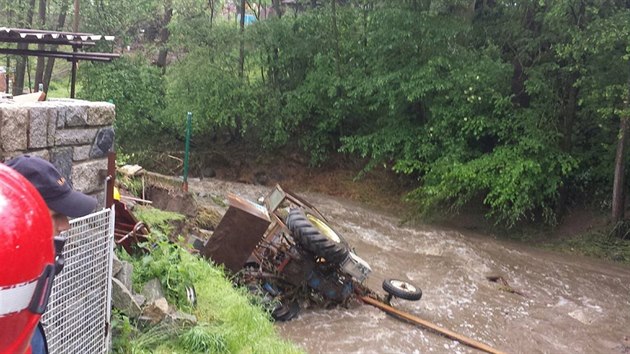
x,y
568,304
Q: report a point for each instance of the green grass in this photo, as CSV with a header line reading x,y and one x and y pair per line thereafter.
x,y
59,86
59,89
228,321
245,327
132,184
157,218
598,244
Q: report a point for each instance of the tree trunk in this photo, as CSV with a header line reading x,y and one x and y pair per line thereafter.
x,y
520,97
20,68
241,50
75,23
618,203
367,8
39,72
211,4
241,64
569,116
164,34
336,36
61,21
277,8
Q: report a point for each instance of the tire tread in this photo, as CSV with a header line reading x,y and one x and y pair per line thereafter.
x,y
311,239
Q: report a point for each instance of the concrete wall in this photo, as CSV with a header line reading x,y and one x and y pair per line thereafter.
x,y
74,135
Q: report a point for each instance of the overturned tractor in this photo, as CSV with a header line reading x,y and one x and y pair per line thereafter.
x,y
285,251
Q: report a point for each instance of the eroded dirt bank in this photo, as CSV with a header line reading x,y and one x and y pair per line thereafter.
x,y
569,304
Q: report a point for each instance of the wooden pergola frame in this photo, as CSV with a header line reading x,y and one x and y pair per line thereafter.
x,y
77,41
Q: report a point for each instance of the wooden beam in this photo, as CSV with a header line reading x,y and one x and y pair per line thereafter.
x,y
30,97
420,322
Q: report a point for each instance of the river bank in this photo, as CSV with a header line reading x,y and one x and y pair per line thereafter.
x,y
582,230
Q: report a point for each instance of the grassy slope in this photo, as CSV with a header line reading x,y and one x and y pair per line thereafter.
x,y
228,322
225,315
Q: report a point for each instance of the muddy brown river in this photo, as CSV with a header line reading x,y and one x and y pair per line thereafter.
x,y
568,304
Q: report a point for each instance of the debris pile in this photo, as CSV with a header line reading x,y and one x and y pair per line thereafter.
x,y
285,251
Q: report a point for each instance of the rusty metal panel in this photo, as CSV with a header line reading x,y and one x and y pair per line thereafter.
x,y
238,233
275,200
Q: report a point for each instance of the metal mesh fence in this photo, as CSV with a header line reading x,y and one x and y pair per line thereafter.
x,y
77,318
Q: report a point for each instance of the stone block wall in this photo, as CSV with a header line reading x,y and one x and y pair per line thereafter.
x,y
74,135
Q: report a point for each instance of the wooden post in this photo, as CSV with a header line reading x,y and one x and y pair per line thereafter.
x,y
618,204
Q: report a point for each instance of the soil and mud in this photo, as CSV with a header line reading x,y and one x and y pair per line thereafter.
x,y
343,176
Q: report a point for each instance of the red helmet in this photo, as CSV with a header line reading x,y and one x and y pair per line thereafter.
x,y
26,260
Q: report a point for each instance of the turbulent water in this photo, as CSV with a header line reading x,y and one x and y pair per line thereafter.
x,y
568,304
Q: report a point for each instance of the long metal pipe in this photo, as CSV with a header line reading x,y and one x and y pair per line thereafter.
x,y
30,30
420,322
73,82
62,55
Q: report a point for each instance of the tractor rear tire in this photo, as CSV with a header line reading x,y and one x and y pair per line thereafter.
x,y
315,236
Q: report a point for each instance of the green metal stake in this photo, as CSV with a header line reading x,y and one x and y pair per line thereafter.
x,y
187,153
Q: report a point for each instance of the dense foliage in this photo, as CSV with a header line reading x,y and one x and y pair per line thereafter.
x,y
136,89
514,104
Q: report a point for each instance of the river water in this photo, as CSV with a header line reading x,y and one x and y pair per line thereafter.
x,y
568,304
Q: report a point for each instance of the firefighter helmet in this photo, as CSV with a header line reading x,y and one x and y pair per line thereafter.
x,y
26,260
